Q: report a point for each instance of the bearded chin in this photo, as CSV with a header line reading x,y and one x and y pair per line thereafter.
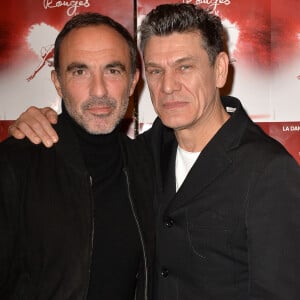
x,y
103,124
97,124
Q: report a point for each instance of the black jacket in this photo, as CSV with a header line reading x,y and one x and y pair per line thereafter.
x,y
232,231
46,217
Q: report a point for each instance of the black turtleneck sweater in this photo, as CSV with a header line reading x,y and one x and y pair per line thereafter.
x,y
116,245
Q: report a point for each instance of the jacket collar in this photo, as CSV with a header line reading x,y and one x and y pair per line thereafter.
x,y
212,162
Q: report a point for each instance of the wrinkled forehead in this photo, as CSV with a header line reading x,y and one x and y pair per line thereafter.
x,y
186,43
99,45
95,38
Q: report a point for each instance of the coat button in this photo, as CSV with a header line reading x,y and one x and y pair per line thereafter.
x,y
169,222
164,272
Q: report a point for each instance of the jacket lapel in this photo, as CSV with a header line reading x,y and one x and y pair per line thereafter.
x,y
168,157
215,158
211,163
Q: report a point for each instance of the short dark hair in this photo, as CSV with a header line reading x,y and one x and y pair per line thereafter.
x,y
94,19
166,19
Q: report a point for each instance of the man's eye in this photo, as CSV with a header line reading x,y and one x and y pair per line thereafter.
x,y
114,71
78,72
154,71
185,67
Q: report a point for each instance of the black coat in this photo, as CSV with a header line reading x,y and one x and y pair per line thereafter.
x,y
46,217
232,231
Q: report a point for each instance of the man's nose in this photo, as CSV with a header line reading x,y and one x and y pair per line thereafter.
x,y
98,86
170,82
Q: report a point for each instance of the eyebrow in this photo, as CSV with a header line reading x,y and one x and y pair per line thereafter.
x,y
76,65
176,62
116,64
184,59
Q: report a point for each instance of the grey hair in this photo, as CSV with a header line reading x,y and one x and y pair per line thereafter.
x,y
166,19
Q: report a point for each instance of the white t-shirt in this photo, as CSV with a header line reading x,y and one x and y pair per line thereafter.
x,y
184,162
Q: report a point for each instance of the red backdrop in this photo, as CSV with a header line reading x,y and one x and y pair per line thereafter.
x,y
263,43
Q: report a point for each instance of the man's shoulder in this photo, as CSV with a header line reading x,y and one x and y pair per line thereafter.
x,y
258,147
264,144
17,154
248,137
13,146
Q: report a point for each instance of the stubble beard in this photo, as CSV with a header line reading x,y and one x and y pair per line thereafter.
x,y
97,124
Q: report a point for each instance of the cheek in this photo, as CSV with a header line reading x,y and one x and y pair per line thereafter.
x,y
154,90
74,95
118,89
153,86
194,91
78,88
155,101
201,89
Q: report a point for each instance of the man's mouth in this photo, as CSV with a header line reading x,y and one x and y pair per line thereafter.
x,y
100,110
174,105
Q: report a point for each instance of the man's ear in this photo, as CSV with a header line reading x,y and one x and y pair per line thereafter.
x,y
56,82
134,81
221,69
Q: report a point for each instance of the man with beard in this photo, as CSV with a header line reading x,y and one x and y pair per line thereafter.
x,y
75,220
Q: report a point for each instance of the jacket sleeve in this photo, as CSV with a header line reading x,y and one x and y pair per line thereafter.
x,y
8,225
273,227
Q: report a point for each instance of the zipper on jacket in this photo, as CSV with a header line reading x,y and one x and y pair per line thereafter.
x,y
90,184
139,230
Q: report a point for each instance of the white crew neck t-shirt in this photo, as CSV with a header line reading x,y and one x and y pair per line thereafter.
x,y
184,162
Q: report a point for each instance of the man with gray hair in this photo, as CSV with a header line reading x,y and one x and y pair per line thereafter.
x,y
75,220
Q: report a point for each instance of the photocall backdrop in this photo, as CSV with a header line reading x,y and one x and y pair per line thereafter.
x,y
263,39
